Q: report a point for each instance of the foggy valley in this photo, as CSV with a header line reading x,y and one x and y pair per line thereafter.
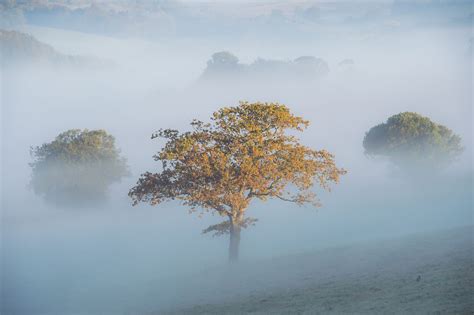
x,y
131,68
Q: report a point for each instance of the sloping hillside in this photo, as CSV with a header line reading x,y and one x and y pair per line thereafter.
x,y
421,274
20,48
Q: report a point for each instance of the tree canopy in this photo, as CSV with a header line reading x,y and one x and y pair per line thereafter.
x,y
77,167
244,153
413,141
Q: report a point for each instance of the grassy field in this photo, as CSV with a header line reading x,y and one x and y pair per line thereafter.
x,y
419,274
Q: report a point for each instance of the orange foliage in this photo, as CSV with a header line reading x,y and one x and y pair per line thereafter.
x,y
243,154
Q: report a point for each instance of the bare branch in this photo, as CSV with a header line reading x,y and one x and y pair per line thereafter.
x,y
224,227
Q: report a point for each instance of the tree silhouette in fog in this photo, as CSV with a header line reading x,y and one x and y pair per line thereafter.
x,y
225,66
413,142
77,167
245,153
310,66
222,64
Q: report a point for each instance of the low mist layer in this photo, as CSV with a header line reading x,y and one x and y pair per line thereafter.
x,y
360,65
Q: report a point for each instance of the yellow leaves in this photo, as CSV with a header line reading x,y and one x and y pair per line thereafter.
x,y
257,118
244,154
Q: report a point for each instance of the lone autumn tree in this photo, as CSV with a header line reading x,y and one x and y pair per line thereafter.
x,y
77,167
413,143
245,153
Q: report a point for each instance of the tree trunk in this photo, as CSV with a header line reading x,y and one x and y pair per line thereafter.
x,y
234,241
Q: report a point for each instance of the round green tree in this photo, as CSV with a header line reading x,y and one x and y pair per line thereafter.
x,y
77,167
413,142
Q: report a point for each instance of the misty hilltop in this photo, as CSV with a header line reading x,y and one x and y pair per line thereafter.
x,y
19,48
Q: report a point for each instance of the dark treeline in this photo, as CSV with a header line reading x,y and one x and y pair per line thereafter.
x,y
226,66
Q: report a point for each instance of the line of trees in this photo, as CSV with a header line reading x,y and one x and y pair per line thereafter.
x,y
243,153
226,66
